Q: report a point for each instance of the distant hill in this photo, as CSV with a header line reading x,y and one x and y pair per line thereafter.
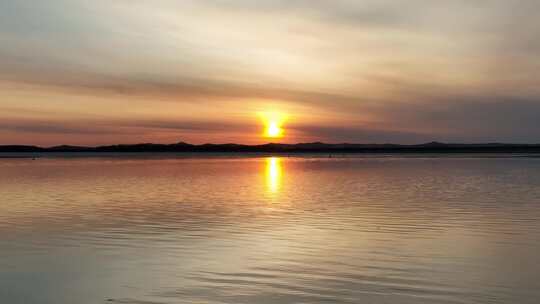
x,y
315,147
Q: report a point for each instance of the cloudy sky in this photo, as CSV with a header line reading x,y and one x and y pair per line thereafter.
x,y
403,71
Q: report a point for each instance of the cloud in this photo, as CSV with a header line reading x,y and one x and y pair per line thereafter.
x,y
55,127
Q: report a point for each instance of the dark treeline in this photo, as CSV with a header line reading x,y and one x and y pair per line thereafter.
x,y
317,147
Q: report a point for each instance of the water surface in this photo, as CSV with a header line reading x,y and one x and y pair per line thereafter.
x,y
270,230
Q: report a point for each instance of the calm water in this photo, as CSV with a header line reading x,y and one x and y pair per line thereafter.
x,y
270,230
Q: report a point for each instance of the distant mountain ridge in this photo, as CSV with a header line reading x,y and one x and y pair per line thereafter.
x,y
314,147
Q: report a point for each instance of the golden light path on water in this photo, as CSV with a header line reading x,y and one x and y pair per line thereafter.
x,y
274,174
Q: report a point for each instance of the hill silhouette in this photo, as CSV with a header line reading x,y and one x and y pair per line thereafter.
x,y
314,147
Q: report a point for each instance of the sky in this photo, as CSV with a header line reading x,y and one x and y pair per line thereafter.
x,y
364,71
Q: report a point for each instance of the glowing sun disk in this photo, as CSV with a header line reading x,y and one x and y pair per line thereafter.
x,y
273,124
273,130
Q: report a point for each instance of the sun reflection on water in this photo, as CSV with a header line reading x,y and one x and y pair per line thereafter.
x,y
273,174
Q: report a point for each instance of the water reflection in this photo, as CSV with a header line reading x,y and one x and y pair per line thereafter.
x,y
273,174
208,230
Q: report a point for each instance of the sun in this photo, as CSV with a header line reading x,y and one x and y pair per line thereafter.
x,y
273,124
273,129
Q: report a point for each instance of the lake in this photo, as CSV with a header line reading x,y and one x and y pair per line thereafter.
x,y
306,229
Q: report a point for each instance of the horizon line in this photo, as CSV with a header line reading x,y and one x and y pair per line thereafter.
x,y
272,143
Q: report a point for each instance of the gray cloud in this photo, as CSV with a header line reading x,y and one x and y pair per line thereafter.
x,y
125,127
360,134
51,127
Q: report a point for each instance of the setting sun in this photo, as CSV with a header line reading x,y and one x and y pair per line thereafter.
x,y
273,124
273,130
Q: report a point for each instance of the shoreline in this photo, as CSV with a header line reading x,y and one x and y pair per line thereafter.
x,y
318,155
